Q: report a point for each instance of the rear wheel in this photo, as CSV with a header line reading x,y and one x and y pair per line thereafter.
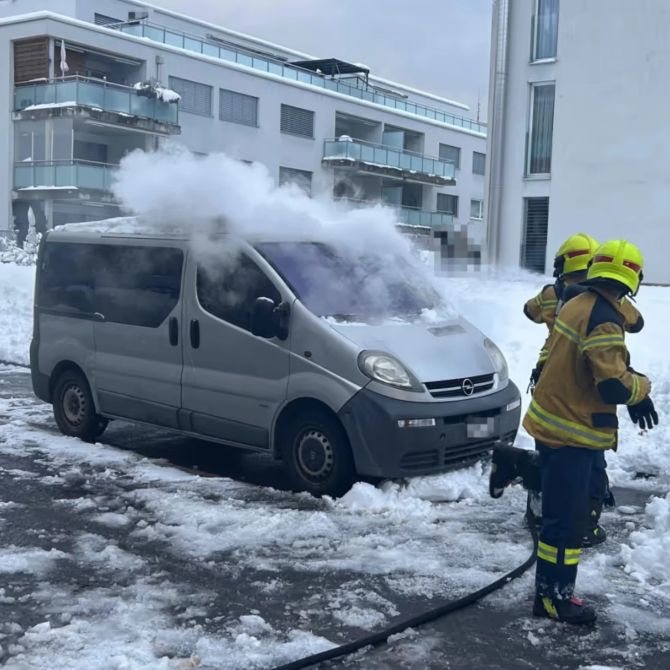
x,y
74,409
317,455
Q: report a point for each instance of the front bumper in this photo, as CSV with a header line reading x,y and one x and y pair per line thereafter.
x,y
382,449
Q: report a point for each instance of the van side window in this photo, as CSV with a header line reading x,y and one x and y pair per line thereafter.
x,y
138,286
66,278
229,293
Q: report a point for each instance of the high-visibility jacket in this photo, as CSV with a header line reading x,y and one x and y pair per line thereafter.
x,y
585,377
545,306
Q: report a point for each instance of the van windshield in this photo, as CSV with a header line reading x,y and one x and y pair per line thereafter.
x,y
349,288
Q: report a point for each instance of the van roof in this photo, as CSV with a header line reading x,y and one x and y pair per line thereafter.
x,y
134,227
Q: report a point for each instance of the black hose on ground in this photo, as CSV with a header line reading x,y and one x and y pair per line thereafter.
x,y
418,620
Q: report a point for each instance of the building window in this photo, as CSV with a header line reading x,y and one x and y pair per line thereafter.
x,y
238,108
447,203
545,29
476,209
297,121
195,98
450,154
534,247
102,20
541,128
301,178
478,163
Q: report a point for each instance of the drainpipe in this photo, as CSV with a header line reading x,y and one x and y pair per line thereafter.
x,y
496,149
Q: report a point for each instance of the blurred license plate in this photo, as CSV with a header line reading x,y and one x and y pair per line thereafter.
x,y
480,427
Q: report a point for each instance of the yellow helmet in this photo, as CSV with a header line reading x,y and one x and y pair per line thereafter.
x,y
619,260
574,254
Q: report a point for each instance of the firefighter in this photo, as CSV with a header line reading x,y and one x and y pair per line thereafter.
x,y
572,417
570,267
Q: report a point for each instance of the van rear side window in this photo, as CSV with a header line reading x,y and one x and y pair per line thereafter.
x,y
134,285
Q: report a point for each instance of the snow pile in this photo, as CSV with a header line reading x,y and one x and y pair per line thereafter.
x,y
646,559
16,311
154,90
11,253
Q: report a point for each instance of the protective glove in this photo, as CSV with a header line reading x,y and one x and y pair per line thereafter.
x,y
644,414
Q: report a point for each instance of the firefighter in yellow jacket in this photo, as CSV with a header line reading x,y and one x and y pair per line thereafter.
x,y
572,417
570,265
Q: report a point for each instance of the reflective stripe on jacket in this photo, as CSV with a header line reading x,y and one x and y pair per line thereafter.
x,y
542,308
585,376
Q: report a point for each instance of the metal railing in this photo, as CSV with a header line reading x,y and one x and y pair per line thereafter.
x,y
410,216
64,174
385,156
241,57
96,94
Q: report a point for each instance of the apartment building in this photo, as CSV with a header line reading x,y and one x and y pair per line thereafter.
x,y
578,128
91,80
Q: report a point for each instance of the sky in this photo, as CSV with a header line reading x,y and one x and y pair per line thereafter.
x,y
441,46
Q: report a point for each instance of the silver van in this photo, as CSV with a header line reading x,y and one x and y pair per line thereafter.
x,y
330,362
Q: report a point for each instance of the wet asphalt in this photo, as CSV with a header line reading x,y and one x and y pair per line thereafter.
x,y
476,637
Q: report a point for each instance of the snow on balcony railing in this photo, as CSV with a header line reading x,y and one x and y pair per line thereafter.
x,y
97,94
385,156
241,57
66,174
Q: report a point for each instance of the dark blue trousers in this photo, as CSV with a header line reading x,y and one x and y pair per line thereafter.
x,y
566,496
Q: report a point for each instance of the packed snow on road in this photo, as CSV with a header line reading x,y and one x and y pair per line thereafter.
x,y
112,556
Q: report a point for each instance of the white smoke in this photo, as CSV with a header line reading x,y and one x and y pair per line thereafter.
x,y
172,189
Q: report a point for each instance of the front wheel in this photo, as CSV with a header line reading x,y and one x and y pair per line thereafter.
x,y
317,455
74,409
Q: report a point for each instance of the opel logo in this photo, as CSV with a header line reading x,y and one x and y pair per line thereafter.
x,y
468,387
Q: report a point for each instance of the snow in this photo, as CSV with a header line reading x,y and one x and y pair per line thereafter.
x,y
161,92
646,557
51,105
16,296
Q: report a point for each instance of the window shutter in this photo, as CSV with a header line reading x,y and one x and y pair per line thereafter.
x,y
238,108
297,121
536,220
196,98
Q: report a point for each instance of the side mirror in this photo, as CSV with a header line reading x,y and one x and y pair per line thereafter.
x,y
264,321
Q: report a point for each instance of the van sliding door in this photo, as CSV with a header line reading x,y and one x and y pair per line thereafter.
x,y
138,344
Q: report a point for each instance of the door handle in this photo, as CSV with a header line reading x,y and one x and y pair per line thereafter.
x,y
195,333
174,331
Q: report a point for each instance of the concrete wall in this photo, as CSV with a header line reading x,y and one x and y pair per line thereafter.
x,y
610,168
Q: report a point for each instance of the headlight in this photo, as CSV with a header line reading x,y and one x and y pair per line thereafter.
x,y
387,369
498,360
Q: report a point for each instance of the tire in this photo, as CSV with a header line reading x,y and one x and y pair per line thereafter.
x,y
317,456
74,409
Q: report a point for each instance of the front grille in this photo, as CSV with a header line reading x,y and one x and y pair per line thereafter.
x,y
453,388
420,460
472,451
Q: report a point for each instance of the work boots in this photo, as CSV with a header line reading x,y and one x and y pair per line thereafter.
x,y
594,536
511,463
571,611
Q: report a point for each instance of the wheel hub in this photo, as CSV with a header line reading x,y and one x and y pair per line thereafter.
x,y
74,405
315,455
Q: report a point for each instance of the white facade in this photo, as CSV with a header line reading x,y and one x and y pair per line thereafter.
x,y
609,170
395,131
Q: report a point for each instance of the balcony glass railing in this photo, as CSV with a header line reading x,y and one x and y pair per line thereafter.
x,y
418,217
410,216
64,174
97,94
384,156
209,48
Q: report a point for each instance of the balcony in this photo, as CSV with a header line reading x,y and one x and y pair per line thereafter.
x,y
411,217
234,55
111,103
74,175
388,162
